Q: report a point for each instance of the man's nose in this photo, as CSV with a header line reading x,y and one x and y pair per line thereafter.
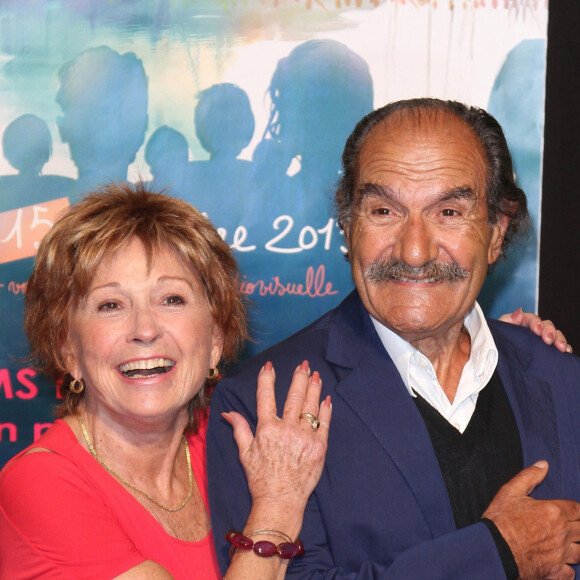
x,y
416,242
145,326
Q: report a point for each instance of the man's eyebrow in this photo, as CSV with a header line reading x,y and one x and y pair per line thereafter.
x,y
462,192
374,190
367,190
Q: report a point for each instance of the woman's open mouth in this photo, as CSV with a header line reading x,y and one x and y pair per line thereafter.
x,y
139,369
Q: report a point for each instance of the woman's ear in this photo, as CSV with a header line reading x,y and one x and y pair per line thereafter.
x,y
69,359
217,345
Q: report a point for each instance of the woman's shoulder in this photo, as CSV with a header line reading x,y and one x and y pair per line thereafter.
x,y
58,439
56,504
45,475
55,443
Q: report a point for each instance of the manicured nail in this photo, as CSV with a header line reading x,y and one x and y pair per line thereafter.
x,y
303,366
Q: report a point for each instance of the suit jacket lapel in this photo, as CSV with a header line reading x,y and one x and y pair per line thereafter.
x,y
371,386
533,407
369,383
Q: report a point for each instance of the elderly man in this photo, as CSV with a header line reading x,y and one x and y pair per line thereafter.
x,y
442,421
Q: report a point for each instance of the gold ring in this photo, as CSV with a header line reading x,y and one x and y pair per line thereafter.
x,y
313,420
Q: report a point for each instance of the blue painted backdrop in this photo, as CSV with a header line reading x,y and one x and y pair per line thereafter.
x,y
243,110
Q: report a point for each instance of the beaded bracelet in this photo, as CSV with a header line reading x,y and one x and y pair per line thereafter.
x,y
286,550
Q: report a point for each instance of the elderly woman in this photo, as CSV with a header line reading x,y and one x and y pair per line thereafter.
x,y
133,304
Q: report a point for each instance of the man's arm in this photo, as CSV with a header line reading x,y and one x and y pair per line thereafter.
x,y
542,534
468,553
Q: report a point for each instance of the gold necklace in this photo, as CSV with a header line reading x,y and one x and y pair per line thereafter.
x,y
134,487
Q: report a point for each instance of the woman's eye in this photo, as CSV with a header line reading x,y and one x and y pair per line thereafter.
x,y
174,300
108,306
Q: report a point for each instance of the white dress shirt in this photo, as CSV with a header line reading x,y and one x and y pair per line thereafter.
x,y
419,375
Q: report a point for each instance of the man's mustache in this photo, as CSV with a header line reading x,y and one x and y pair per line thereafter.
x,y
397,270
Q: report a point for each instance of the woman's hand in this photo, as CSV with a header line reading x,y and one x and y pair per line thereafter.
x,y
543,328
284,460
283,463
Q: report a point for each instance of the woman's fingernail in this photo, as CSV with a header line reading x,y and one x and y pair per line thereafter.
x,y
303,366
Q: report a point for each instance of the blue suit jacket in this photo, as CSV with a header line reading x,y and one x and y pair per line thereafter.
x,y
381,509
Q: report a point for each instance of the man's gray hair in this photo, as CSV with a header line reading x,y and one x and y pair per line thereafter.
x,y
503,195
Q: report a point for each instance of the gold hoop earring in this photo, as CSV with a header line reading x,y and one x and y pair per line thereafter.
x,y
77,386
213,373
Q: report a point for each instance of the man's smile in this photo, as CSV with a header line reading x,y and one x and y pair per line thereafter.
x,y
418,280
399,271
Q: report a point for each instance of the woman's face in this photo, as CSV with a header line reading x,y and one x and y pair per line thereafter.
x,y
142,338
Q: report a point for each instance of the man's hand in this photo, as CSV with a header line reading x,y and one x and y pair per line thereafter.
x,y
541,534
543,328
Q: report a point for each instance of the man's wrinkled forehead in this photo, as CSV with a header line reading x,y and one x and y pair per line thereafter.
x,y
426,120
442,125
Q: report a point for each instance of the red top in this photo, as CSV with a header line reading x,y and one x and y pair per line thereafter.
x,y
63,516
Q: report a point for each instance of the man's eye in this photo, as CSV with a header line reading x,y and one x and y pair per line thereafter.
x,y
449,212
108,306
382,211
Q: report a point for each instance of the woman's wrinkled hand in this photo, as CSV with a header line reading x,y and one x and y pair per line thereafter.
x,y
284,460
543,328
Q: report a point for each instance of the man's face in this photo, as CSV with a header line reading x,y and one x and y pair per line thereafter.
x,y
419,239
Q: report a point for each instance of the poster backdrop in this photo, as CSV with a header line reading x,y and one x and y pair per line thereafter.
x,y
242,108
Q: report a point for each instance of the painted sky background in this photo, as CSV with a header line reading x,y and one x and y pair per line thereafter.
x,y
411,48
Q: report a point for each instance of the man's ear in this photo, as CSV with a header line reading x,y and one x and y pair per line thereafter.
x,y
345,230
341,223
498,231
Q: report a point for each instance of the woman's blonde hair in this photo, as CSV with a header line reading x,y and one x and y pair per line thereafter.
x,y
106,219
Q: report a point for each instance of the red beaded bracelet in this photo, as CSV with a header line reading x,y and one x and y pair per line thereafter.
x,y
264,548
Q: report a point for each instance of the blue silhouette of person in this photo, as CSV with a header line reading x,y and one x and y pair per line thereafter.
x,y
27,146
318,93
517,102
167,155
271,159
103,97
224,125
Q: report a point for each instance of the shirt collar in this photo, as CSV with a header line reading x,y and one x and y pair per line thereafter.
x,y
482,359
